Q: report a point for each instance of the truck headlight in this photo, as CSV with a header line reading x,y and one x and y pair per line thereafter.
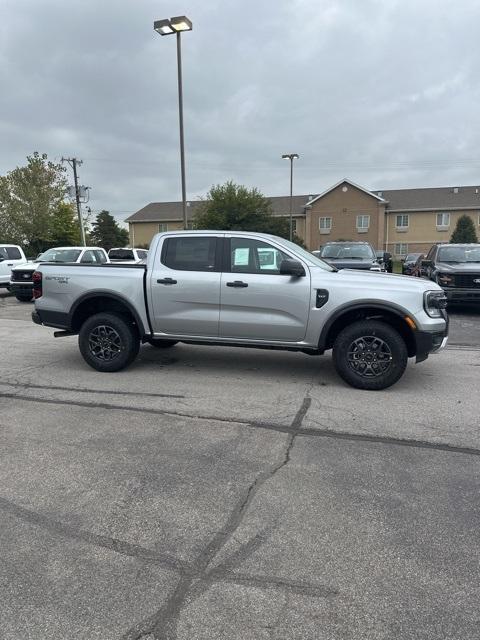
x,y
434,302
445,279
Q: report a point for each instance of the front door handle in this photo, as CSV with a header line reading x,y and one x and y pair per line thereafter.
x,y
237,284
167,281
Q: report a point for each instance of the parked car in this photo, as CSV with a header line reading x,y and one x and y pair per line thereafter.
x,y
215,287
10,256
127,255
456,268
384,258
350,255
412,265
21,282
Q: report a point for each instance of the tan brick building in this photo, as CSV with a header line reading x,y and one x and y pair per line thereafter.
x,y
400,220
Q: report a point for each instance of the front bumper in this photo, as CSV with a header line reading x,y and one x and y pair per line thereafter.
x,y
428,342
455,295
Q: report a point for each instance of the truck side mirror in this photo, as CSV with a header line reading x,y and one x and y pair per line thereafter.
x,y
292,268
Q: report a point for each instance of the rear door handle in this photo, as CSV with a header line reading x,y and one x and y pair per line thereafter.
x,y
167,281
237,284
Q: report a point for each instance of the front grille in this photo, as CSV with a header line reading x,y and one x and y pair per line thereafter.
x,y
22,276
466,280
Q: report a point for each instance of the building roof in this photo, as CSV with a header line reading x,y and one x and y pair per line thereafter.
x,y
172,211
427,199
431,199
352,184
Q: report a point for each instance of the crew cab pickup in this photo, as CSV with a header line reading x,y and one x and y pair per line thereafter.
x,y
244,289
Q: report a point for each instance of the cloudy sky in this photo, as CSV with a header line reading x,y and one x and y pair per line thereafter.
x,y
384,92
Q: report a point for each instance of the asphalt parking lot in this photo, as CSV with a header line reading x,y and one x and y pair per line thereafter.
x,y
222,493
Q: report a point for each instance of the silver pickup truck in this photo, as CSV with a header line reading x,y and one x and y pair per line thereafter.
x,y
244,289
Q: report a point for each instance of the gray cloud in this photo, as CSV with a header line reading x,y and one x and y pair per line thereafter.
x,y
383,91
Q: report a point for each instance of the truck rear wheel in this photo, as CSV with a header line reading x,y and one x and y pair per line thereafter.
x,y
108,342
369,354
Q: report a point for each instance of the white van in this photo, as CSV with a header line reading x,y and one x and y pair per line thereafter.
x,y
10,256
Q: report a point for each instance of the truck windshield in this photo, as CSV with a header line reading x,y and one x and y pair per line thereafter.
x,y
59,255
347,251
468,253
307,256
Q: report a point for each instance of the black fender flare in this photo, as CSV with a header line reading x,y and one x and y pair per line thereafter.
x,y
398,310
91,295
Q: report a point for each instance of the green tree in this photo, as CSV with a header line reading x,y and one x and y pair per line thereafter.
x,y
107,233
65,230
233,207
464,231
30,197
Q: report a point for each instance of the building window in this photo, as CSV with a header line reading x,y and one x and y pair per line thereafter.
x,y
294,225
401,222
401,249
443,221
162,226
363,224
325,225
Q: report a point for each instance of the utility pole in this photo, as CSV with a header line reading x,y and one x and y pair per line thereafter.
x,y
73,162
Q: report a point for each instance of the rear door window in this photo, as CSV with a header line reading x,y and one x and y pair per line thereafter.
x,y
190,253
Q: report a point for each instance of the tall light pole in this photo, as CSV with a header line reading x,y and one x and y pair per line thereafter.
x,y
166,28
291,157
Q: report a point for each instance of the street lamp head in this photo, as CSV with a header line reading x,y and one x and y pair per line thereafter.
x,y
181,23
163,27
290,156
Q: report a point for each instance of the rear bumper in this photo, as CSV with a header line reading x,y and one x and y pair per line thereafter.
x,y
54,319
462,295
428,342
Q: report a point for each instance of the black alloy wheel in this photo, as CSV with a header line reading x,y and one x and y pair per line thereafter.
x,y
370,354
108,342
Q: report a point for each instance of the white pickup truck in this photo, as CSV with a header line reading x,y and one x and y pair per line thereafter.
x,y
244,289
10,256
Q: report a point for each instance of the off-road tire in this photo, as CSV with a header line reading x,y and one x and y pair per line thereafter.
x,y
108,342
23,298
370,354
162,344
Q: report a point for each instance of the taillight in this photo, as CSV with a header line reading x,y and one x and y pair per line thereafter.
x,y
37,284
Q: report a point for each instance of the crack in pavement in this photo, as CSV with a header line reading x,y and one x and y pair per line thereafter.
x,y
29,385
112,544
257,424
162,625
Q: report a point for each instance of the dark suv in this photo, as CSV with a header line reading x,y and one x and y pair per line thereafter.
x,y
349,255
456,268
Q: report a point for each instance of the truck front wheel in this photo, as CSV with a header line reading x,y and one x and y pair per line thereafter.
x,y
108,342
369,354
